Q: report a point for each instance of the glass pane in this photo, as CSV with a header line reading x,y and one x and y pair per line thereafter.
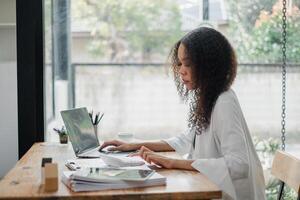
x,y
49,89
118,57
113,59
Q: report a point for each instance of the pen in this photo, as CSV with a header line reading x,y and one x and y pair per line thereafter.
x,y
96,118
56,130
97,122
91,115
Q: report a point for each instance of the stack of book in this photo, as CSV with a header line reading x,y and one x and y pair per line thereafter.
x,y
93,179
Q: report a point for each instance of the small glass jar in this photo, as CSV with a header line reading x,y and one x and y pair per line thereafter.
x,y
96,131
63,138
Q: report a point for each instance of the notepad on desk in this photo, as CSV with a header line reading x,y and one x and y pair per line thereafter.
x,y
111,179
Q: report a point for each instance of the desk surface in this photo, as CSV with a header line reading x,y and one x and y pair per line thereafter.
x,y
23,181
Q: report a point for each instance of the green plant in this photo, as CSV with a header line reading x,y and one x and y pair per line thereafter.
x,y
272,190
266,37
256,30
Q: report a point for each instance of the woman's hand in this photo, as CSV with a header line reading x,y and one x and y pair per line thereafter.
x,y
119,146
165,162
155,158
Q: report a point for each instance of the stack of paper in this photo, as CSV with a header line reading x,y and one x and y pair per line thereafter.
x,y
78,182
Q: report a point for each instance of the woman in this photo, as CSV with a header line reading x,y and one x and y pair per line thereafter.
x,y
218,142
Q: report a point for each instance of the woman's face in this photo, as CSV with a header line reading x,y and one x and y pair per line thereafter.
x,y
185,67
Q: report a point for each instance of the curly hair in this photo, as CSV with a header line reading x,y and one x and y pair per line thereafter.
x,y
213,68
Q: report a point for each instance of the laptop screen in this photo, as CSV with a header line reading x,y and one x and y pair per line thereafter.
x,y
80,129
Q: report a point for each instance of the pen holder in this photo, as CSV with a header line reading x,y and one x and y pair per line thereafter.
x,y
96,131
62,133
63,138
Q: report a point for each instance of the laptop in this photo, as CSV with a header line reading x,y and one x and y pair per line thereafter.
x,y
82,135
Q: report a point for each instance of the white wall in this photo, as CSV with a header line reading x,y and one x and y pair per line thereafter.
x,y
8,87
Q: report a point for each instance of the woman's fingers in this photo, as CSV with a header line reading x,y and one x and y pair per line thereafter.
x,y
134,154
122,147
147,154
114,148
144,149
159,160
151,157
105,144
155,159
111,142
144,153
140,152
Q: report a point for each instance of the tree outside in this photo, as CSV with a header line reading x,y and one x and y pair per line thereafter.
x,y
266,44
256,29
129,30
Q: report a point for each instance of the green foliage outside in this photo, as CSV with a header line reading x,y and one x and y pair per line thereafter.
x,y
256,30
129,29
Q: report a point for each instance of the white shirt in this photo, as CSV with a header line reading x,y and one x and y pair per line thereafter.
x,y
224,152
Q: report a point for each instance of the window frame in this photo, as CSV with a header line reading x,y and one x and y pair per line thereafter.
x,y
30,73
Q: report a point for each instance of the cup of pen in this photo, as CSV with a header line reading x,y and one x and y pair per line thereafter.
x,y
95,121
63,136
96,131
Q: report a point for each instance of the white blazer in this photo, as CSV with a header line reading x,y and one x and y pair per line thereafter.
x,y
224,152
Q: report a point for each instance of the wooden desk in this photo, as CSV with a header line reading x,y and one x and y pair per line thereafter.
x,y
23,181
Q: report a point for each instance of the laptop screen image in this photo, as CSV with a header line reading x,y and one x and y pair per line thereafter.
x,y
80,129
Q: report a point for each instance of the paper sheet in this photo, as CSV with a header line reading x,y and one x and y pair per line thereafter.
x,y
97,162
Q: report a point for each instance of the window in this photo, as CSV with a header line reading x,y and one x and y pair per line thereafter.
x,y
49,70
115,63
110,56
